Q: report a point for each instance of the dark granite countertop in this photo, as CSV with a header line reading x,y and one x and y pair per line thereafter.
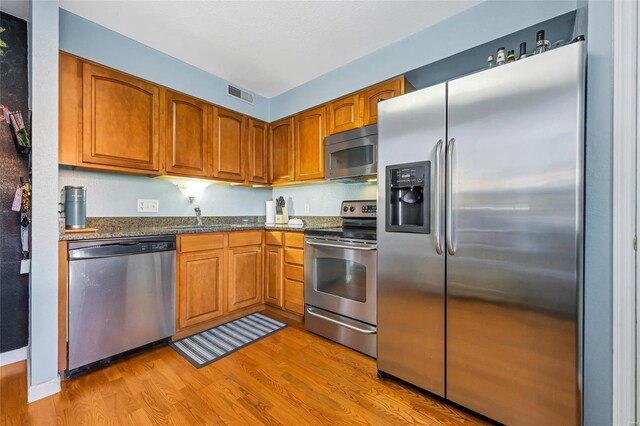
x,y
116,227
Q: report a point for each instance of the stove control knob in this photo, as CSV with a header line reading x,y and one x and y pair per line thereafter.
x,y
345,209
352,209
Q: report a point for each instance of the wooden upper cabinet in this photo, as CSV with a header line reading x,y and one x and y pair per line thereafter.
x,y
258,152
229,135
187,146
70,110
281,152
201,286
120,120
245,277
345,114
311,128
378,93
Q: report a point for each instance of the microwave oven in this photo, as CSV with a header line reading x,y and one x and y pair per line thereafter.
x,y
352,155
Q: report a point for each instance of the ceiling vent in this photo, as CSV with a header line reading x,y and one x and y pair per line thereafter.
x,y
240,94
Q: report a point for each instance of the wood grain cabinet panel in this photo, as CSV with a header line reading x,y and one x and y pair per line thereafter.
x,y
258,152
311,128
120,120
273,284
294,239
229,137
378,93
294,296
187,146
281,154
345,114
245,277
201,287
70,110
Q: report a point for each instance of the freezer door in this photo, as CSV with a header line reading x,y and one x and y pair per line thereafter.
x,y
410,266
514,280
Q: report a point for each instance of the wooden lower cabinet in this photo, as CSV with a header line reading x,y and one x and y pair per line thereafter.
x,y
273,268
201,278
294,296
217,274
245,277
293,289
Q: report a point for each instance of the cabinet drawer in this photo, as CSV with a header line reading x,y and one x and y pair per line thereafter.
x,y
294,272
273,238
249,238
294,239
294,296
293,255
200,242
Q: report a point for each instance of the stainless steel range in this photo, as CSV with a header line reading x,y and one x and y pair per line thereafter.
x,y
340,278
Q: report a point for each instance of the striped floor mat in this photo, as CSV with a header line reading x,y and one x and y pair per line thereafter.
x,y
208,346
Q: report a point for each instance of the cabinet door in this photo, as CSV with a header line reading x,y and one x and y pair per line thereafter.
x,y
120,120
281,151
309,144
258,152
229,144
378,93
294,296
345,114
187,136
245,277
273,275
200,287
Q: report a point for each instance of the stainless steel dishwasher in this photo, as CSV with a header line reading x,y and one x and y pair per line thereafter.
x,y
121,296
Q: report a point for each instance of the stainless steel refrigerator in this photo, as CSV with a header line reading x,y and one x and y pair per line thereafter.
x,y
480,227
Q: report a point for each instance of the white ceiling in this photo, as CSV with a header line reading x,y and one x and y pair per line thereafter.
x,y
267,47
17,8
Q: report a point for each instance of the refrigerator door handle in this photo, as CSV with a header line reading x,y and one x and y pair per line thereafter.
x,y
451,246
437,233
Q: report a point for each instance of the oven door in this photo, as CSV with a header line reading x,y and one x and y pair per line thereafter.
x,y
351,158
340,277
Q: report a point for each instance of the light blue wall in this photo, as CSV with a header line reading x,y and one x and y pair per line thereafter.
x,y
489,20
325,199
43,284
598,341
110,194
99,44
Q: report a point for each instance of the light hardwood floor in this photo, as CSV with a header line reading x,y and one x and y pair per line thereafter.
x,y
291,378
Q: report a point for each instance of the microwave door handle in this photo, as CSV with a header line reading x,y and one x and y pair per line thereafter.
x,y
451,245
437,233
313,243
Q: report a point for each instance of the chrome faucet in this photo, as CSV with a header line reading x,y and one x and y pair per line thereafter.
x,y
198,216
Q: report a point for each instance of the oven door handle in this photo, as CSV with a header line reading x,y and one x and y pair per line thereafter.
x,y
313,243
313,312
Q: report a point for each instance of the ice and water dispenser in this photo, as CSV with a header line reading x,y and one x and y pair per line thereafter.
x,y
408,197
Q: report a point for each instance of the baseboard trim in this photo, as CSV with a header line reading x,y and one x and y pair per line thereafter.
x,y
15,355
44,390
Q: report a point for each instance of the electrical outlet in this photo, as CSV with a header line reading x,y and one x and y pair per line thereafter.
x,y
148,206
306,207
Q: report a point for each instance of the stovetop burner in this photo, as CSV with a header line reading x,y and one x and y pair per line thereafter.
x,y
358,222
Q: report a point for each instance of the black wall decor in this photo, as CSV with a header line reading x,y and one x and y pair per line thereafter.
x,y
14,94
